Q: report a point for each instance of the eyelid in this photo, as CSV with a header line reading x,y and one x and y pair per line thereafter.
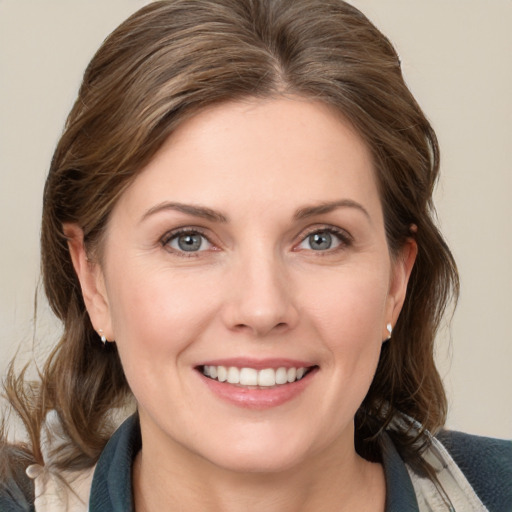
x,y
172,233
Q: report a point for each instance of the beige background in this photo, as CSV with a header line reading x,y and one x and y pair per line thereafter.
x,y
457,58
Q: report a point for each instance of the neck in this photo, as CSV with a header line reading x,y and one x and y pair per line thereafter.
x,y
338,480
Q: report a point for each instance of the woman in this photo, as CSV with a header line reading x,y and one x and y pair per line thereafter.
x,y
237,233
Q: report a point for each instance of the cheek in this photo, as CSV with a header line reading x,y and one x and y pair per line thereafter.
x,y
158,311
349,320
351,310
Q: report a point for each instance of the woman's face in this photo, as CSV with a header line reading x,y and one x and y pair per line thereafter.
x,y
251,250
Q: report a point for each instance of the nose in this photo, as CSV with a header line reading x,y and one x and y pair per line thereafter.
x,y
261,298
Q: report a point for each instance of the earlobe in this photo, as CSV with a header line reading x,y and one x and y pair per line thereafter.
x,y
91,280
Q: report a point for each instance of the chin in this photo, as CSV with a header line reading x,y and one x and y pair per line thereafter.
x,y
258,456
260,462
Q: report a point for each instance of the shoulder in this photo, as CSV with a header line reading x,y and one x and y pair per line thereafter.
x,y
16,488
487,465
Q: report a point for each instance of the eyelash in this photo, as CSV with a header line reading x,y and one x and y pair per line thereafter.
x,y
344,238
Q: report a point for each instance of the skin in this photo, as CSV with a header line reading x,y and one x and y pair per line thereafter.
x,y
255,289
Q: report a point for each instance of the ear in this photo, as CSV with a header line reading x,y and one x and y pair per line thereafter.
x,y
91,280
401,271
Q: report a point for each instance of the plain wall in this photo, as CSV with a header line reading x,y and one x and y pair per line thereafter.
x,y
457,59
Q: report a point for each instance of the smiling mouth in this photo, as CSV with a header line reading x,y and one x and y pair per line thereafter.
x,y
264,378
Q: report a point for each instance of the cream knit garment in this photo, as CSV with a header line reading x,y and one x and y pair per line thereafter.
x,y
70,492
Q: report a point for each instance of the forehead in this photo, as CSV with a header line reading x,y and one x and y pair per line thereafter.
x,y
283,151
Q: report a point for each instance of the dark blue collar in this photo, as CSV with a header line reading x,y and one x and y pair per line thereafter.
x,y
111,489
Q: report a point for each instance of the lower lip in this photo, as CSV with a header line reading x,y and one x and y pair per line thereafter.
x,y
258,398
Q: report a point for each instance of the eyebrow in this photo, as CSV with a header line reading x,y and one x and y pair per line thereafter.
x,y
214,216
322,208
196,211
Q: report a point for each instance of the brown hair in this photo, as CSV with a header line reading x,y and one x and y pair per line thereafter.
x,y
164,64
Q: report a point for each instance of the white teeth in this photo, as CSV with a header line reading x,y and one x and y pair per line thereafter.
x,y
267,377
222,373
233,375
291,374
248,377
281,376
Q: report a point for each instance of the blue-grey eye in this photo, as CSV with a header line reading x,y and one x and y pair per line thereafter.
x,y
189,242
321,240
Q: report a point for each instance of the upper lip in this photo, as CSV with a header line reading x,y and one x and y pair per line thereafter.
x,y
258,364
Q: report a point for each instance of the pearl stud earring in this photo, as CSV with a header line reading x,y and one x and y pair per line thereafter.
x,y
102,336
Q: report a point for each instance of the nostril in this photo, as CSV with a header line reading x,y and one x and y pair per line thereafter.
x,y
281,326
